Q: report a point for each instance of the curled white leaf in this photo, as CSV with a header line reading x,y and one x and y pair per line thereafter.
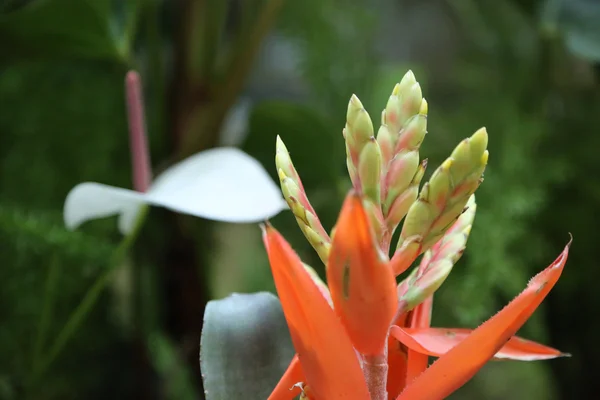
x,y
223,184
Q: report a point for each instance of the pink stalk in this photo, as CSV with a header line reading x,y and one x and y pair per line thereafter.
x,y
138,143
375,369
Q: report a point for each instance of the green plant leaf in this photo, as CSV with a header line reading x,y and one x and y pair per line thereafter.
x,y
99,29
245,346
176,377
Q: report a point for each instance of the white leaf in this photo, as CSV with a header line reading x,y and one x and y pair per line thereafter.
x,y
223,184
90,200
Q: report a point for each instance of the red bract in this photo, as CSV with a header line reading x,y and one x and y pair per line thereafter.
x,y
366,346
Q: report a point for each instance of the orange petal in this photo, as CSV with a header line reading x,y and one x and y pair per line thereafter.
x,y
456,367
397,359
438,341
420,317
328,359
286,389
363,287
397,364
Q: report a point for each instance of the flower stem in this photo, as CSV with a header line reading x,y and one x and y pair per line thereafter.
x,y
87,303
375,368
47,310
140,155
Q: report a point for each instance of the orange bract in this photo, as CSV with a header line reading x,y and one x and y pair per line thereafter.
x,y
420,317
363,287
286,388
457,366
328,359
438,341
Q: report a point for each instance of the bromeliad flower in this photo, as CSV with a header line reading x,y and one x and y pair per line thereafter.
x,y
363,336
222,184
385,357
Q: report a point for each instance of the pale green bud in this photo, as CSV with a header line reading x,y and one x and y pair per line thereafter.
x,y
438,261
283,160
413,133
443,198
386,144
369,171
399,176
359,127
425,285
293,193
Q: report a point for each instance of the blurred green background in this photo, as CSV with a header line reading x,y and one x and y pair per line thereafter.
x,y
240,72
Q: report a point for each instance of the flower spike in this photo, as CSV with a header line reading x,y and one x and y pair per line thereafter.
x,y
437,261
403,128
295,196
442,199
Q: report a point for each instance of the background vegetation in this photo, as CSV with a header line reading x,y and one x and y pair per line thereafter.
x,y
240,72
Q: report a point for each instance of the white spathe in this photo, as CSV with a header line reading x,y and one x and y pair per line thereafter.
x,y
223,184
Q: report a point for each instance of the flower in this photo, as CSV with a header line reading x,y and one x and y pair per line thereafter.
x,y
222,184
363,336
327,360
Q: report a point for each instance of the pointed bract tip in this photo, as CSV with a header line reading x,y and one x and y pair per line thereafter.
x,y
480,134
408,76
355,101
417,91
424,109
485,157
279,145
570,240
266,227
470,202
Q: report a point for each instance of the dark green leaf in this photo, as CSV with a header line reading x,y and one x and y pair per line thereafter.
x,y
100,29
245,346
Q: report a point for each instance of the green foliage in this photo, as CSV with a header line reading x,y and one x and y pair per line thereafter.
x,y
337,48
62,131
178,383
98,29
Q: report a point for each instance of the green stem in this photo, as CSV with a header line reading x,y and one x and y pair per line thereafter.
x,y
47,310
91,297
